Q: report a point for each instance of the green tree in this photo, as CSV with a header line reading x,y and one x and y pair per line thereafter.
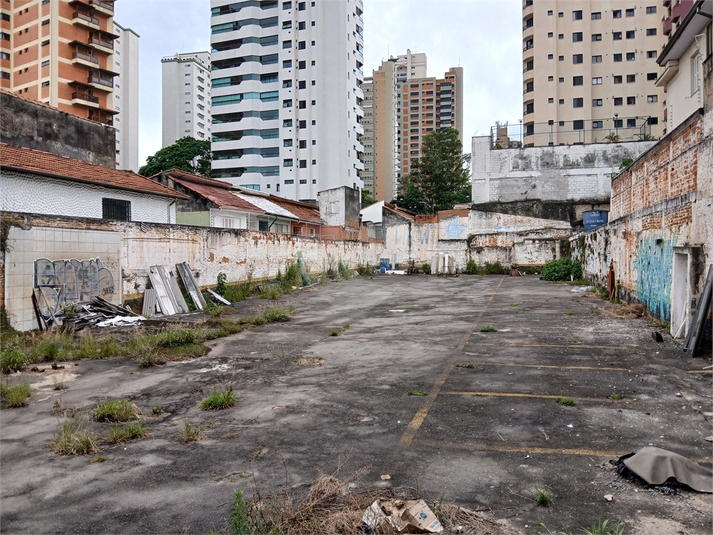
x,y
366,197
187,154
439,179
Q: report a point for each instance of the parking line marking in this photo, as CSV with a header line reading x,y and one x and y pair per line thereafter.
x,y
518,395
412,429
554,345
700,371
548,366
517,449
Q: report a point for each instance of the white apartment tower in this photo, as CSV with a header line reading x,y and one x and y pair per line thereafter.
x,y
185,97
286,103
125,98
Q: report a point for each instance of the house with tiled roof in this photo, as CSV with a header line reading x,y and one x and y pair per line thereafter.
x,y
37,182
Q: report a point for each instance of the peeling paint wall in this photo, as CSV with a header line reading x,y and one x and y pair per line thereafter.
x,y
571,172
134,247
660,205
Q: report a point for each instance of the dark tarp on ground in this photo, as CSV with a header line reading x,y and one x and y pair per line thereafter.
x,y
655,466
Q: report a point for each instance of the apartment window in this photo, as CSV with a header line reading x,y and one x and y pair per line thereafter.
x,y
597,80
116,209
617,13
596,59
561,58
630,78
630,34
314,122
286,44
577,15
550,13
596,37
44,43
651,54
578,58
550,78
44,63
302,104
618,123
286,5
560,36
302,65
550,56
314,24
653,120
630,101
618,58
303,124
4,36
650,31
44,22
561,101
617,79
287,143
578,80
650,10
550,34
578,103
597,102
560,14
577,37
314,142
695,73
597,124
630,12
303,165
597,15
303,143
286,25
618,101
561,123
314,43
651,76
631,123
45,84
301,6
314,103
561,79
616,36
578,125
313,63
302,25
287,123
302,45
652,98
287,64
550,101
287,163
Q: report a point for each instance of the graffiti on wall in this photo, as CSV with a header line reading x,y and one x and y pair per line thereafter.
x,y
654,269
59,283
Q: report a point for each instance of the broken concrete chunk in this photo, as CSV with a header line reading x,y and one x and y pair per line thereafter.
x,y
609,497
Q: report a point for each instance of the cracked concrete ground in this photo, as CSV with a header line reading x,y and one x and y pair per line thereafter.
x,y
484,437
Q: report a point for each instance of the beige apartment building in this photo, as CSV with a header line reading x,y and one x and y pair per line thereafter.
x,y
590,71
381,107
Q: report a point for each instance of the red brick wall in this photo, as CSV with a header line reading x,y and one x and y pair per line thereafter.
x,y
666,171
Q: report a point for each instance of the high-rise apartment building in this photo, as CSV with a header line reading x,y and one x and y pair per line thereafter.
x,y
186,90
125,98
590,71
60,52
286,99
427,104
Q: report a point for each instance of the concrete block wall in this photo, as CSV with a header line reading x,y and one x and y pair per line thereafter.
x,y
571,172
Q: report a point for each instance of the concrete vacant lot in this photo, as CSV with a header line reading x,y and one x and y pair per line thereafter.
x,y
484,433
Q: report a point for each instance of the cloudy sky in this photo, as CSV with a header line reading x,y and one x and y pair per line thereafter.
x,y
482,36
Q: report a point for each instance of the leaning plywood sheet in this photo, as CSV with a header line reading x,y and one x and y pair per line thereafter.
x,y
218,297
150,303
164,302
169,280
191,285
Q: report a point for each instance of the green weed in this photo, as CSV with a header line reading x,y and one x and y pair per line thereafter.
x,y
257,453
12,359
570,313
567,402
151,359
575,341
488,330
544,496
426,268
190,433
157,409
120,410
418,393
98,459
124,432
74,439
219,399
240,516
271,292
616,396
15,395
467,365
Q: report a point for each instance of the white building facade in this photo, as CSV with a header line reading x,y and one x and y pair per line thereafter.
x,y
125,98
286,94
185,97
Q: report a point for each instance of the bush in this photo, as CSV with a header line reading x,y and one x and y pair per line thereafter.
x,y
496,268
471,268
15,395
426,268
561,270
12,359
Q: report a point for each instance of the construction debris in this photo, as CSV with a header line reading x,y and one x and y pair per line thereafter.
x,y
412,516
657,466
190,284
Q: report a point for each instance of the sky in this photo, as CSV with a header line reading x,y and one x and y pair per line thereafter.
x,y
482,36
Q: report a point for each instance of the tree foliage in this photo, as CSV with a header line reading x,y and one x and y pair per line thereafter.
x,y
439,179
366,197
187,154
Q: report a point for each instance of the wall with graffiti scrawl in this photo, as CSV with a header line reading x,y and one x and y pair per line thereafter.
x,y
660,219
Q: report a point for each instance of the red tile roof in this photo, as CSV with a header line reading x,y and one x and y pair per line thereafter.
x,y
190,177
220,196
301,210
44,163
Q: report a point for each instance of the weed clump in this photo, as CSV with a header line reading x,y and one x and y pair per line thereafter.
x,y
567,402
561,270
15,395
465,365
219,400
12,359
74,439
616,396
426,268
418,393
190,433
124,432
120,410
544,496
488,330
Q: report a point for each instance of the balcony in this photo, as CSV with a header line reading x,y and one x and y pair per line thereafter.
x,y
101,82
667,26
101,45
83,19
102,117
84,98
102,6
681,9
80,58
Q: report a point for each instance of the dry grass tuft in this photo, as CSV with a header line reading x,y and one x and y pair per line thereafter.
x,y
625,311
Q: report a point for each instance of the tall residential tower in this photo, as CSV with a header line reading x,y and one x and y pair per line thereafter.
x,y
125,99
286,98
590,71
185,102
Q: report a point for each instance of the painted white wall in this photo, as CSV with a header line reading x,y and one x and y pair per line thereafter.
x,y
23,192
331,78
185,97
125,97
685,91
372,212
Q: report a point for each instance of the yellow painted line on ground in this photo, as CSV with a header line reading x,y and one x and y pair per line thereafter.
x,y
518,395
518,449
557,367
420,416
701,371
570,346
